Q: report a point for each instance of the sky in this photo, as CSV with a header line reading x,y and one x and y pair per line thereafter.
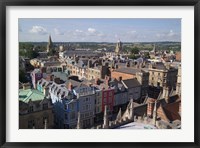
x,y
99,30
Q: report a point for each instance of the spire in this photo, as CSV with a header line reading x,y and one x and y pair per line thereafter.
x,y
131,110
155,113
79,121
50,41
105,118
119,115
49,44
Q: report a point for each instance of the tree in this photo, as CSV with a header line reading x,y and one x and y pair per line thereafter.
x,y
22,77
135,50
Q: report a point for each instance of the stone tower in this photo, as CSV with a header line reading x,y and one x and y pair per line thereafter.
x,y
49,44
118,48
178,84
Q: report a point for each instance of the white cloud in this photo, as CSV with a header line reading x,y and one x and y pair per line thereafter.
x,y
79,31
58,32
91,30
38,30
132,32
171,33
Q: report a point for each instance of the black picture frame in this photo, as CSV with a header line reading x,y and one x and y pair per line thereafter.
x,y
5,3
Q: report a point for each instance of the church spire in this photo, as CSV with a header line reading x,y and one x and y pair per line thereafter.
x,y
49,44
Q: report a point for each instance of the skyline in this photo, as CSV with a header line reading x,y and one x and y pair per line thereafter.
x,y
99,30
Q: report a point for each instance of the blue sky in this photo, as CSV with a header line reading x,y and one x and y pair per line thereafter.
x,y
99,30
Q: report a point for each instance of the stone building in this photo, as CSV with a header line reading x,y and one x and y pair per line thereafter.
x,y
35,110
160,74
118,48
98,71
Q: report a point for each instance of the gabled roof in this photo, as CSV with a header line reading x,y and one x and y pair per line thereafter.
x,y
130,83
172,111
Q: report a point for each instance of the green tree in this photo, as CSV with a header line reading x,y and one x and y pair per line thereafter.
x,y
135,50
22,77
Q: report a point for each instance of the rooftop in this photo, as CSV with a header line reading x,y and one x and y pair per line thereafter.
x,y
30,94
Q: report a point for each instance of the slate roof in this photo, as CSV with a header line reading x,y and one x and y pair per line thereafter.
x,y
128,70
130,83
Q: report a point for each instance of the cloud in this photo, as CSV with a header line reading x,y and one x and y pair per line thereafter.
x,y
79,31
58,32
91,30
38,30
171,33
132,32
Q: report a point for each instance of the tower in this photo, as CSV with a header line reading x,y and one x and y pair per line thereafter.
x,y
118,48
178,84
49,44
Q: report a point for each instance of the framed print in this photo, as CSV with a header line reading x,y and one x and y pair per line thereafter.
x,y
99,73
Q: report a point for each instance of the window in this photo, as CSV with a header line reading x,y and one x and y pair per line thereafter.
x,y
45,106
72,115
66,116
152,78
31,123
86,99
110,93
72,106
30,109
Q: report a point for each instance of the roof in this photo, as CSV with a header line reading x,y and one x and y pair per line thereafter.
x,y
130,83
62,75
172,111
30,94
128,70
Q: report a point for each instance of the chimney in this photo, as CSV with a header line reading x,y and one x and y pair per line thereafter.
x,y
120,78
57,80
107,80
127,64
45,91
51,77
97,81
150,107
89,63
70,86
43,69
26,86
116,66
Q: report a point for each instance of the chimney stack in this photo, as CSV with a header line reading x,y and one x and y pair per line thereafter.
x,y
70,86
120,78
